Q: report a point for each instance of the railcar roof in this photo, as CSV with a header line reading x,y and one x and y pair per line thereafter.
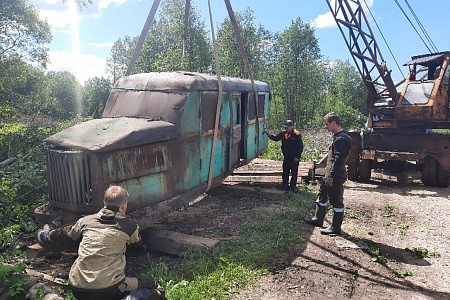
x,y
185,82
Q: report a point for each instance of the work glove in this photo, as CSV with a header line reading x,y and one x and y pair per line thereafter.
x,y
329,181
42,235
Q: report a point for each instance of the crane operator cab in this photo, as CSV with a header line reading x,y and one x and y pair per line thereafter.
x,y
424,101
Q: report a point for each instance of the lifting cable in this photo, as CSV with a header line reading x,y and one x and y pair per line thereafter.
x,y
143,36
185,30
237,34
415,29
433,46
219,100
384,39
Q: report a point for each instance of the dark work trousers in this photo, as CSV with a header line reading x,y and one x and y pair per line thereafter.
x,y
111,294
290,167
334,194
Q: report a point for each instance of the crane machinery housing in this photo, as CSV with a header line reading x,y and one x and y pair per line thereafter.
x,y
399,133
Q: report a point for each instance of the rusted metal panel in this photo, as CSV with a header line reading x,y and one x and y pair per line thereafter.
x,y
356,147
205,152
389,155
69,179
208,110
147,190
108,134
437,145
186,158
189,119
153,105
136,161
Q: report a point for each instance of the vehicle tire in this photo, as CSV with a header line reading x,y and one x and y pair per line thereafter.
x,y
364,170
429,171
352,170
442,176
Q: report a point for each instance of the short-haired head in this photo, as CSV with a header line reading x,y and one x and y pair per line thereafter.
x,y
333,117
115,196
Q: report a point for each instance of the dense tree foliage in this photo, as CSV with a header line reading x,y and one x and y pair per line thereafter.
x,y
23,88
22,33
119,57
257,44
66,92
299,74
95,93
193,54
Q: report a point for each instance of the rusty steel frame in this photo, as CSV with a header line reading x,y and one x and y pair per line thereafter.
x,y
405,146
363,47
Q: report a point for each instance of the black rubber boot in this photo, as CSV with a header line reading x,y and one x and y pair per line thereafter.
x,y
335,227
317,220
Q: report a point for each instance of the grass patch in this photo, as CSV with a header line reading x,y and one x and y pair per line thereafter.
x,y
421,252
376,255
242,260
403,229
389,210
402,274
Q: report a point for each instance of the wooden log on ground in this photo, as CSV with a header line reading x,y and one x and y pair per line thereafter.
x,y
259,161
254,179
176,243
263,191
52,249
258,172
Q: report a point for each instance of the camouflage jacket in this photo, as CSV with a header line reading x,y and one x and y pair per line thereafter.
x,y
103,239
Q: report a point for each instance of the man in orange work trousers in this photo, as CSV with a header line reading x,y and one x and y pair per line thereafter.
x,y
292,148
332,188
99,271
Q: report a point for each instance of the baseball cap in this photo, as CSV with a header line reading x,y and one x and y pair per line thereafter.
x,y
289,123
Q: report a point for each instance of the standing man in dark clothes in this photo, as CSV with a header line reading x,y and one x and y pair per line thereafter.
x,y
332,188
292,148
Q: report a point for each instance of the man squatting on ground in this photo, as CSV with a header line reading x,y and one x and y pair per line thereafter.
x,y
332,188
99,270
292,148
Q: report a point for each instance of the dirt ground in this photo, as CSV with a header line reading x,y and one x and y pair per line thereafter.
x,y
389,214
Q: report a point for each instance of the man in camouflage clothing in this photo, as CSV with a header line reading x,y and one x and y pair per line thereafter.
x,y
99,270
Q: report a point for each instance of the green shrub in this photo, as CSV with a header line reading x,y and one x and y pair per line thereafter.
x,y
23,184
13,278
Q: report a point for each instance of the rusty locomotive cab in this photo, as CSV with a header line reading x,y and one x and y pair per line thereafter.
x,y
154,139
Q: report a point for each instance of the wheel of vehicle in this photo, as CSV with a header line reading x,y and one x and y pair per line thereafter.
x,y
429,171
352,170
442,176
364,170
